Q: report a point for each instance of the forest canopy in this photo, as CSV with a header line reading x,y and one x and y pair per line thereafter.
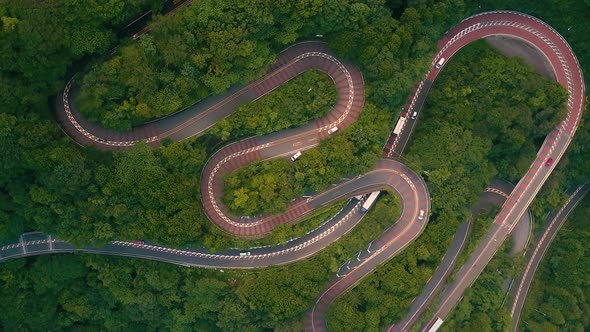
x,y
84,196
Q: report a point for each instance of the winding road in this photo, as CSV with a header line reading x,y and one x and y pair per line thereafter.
x,y
569,75
388,173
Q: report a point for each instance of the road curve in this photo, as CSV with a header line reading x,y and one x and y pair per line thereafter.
x,y
202,115
292,62
396,238
535,256
388,174
568,74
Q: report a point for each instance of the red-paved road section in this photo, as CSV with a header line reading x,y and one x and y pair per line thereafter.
x,y
197,118
293,61
568,73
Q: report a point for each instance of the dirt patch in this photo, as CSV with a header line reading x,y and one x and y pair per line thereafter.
x,y
515,47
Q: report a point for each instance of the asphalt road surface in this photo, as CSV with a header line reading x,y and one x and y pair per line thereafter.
x,y
534,256
388,174
495,195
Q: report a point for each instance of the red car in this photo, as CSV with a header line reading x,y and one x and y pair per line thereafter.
x,y
549,162
139,242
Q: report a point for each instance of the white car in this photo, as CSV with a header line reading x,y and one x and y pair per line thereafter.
x,y
332,130
296,155
421,215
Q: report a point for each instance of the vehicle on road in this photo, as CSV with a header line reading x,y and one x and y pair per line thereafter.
x,y
421,215
332,130
549,162
399,125
296,155
369,202
139,242
440,63
414,115
245,253
436,325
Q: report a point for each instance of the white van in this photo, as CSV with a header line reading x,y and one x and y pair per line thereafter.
x,y
246,253
421,215
440,63
332,130
296,155
414,115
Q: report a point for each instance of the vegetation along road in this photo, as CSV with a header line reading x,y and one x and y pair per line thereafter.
x,y
387,174
535,255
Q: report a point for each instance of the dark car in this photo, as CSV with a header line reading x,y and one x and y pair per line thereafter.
x,y
549,162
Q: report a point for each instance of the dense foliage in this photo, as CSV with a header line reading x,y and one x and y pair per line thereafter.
x,y
483,306
40,39
99,292
455,144
558,297
81,195
307,96
261,187
492,105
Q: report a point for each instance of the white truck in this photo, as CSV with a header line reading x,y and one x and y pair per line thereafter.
x,y
369,202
